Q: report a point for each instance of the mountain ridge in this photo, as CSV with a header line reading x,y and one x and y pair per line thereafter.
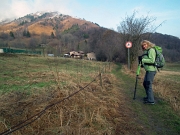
x,y
63,33
44,19
40,14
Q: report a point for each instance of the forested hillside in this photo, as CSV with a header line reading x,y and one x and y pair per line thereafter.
x,y
170,44
58,34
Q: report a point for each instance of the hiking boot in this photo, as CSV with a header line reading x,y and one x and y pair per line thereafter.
x,y
150,103
145,98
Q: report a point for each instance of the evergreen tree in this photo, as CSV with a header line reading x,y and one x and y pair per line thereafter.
x,y
24,33
52,35
11,34
28,34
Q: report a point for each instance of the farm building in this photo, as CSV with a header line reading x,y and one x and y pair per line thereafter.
x,y
91,56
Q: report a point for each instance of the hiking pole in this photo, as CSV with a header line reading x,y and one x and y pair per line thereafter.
x,y
137,74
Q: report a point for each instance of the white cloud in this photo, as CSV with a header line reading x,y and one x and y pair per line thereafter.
x,y
62,6
13,8
4,6
19,8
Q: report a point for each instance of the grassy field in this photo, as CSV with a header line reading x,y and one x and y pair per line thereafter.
x,y
172,67
70,96
167,84
32,84
25,73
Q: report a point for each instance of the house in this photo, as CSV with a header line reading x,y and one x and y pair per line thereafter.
x,y
77,55
91,56
1,51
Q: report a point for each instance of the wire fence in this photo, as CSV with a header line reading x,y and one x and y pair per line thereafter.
x,y
39,114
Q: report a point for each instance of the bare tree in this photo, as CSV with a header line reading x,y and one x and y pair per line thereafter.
x,y
70,42
43,38
4,36
18,43
132,29
110,44
33,43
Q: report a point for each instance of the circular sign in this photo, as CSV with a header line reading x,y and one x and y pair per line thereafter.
x,y
128,44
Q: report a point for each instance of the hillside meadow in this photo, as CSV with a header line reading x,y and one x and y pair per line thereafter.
x,y
50,96
29,84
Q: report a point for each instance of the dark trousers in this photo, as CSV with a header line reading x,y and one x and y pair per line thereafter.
x,y
148,80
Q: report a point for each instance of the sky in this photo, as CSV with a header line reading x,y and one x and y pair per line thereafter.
x,y
106,13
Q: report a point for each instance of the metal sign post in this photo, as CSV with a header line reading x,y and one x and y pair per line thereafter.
x,y
128,45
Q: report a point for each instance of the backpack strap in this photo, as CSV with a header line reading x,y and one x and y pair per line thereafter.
x,y
155,59
151,64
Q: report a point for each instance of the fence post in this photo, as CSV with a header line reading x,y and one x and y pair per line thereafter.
x,y
100,75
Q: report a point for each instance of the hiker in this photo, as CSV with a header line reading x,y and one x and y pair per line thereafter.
x,y
147,60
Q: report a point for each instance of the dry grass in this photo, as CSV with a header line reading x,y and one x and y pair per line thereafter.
x,y
94,110
88,112
38,29
168,88
8,27
36,82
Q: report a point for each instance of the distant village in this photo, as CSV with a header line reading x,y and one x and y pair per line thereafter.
x,y
80,55
71,54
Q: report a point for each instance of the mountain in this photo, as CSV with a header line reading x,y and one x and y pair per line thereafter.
x,y
44,22
58,34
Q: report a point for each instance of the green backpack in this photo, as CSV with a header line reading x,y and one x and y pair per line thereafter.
x,y
159,60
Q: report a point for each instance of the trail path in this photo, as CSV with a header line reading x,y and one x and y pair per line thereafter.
x,y
139,118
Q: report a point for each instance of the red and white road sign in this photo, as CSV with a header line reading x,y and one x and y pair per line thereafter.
x,y
128,44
